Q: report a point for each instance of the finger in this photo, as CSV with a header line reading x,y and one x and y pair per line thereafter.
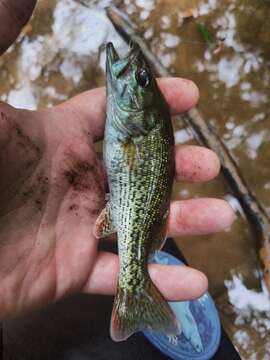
x,y
181,95
174,282
195,163
196,217
199,216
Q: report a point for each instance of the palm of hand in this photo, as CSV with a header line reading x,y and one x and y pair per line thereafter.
x,y
52,187
51,194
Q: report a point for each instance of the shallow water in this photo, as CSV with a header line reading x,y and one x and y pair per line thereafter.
x,y
60,53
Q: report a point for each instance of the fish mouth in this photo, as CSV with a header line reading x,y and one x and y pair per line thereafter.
x,y
117,66
111,53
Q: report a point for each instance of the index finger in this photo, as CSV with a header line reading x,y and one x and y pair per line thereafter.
x,y
180,94
90,106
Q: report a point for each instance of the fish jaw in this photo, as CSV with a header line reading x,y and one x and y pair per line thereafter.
x,y
130,83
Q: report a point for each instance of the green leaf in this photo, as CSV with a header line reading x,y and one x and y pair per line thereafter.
x,y
205,33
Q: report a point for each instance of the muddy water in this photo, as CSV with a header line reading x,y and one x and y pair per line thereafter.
x,y
60,53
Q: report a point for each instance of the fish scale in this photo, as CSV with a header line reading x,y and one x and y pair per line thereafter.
x,y
139,160
141,206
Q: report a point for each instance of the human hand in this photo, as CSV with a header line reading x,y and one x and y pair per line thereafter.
x,y
14,15
52,188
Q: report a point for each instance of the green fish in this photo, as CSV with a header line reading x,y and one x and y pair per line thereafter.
x,y
139,160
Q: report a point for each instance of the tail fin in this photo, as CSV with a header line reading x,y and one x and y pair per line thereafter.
x,y
139,311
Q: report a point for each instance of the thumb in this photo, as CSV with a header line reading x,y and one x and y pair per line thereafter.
x,y
14,15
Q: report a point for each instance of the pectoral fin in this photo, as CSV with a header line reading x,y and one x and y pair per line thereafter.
x,y
104,225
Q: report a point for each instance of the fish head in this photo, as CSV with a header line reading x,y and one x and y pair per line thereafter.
x,y
129,79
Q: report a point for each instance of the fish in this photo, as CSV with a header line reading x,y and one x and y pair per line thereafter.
x,y
139,160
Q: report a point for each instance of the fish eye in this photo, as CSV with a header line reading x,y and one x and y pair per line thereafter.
x,y
142,77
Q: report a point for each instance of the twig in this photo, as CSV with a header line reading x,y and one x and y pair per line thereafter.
x,y
86,3
83,3
204,134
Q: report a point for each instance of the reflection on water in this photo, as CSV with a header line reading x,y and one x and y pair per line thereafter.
x,y
62,53
65,58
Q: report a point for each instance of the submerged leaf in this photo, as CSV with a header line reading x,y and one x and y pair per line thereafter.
x,y
205,33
